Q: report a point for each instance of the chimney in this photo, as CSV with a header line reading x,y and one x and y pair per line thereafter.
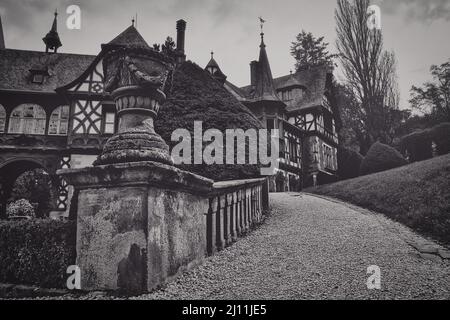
x,y
181,28
253,66
2,39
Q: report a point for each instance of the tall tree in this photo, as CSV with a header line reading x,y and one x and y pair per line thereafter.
x,y
434,97
370,71
309,51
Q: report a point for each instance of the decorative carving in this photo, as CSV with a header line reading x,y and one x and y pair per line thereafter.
x,y
136,78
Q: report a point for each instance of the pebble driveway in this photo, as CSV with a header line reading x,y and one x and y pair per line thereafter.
x,y
316,248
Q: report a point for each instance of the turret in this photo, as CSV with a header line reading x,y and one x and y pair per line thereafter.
x,y
51,40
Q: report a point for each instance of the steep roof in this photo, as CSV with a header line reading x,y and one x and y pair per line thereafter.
x,y
313,80
130,37
62,68
264,89
51,39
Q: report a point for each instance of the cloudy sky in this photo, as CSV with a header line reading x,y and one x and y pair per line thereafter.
x,y
417,30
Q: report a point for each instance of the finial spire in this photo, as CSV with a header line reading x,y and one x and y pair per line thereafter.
x,y
212,54
132,21
262,21
51,40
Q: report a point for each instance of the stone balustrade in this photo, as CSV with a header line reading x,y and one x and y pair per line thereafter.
x,y
235,207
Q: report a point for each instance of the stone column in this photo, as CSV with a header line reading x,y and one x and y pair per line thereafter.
x,y
132,232
211,226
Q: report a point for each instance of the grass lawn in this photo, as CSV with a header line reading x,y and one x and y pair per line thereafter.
x,y
417,195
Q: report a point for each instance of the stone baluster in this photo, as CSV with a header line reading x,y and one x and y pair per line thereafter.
x,y
220,238
211,226
239,213
226,220
234,217
247,209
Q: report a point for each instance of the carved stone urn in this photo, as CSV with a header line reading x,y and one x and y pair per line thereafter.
x,y
136,78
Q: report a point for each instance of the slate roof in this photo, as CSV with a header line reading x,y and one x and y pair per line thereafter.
x,y
314,81
264,89
15,66
130,37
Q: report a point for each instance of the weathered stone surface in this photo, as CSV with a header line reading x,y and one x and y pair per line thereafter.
x,y
110,222
139,224
176,233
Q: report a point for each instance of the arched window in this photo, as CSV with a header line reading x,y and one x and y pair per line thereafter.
x,y
27,119
59,121
2,119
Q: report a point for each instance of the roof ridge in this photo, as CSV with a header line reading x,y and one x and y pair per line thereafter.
x,y
130,36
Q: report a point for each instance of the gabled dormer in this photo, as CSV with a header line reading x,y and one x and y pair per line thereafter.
x,y
213,68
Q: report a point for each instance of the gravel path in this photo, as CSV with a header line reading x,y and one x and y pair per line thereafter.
x,y
314,248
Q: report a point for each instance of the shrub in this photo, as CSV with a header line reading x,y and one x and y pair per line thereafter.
x,y
36,252
196,96
441,136
349,162
418,145
21,208
381,157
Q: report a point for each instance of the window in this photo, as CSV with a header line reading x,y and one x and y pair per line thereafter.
x,y
110,121
59,121
286,95
27,119
293,150
328,156
2,119
270,124
37,78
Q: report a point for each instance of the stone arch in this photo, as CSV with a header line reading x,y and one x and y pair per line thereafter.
x,y
27,118
11,169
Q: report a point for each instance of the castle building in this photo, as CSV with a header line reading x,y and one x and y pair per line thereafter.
x,y
55,114
300,106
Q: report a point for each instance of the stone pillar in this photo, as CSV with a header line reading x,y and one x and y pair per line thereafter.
x,y
228,218
238,213
211,226
234,216
131,233
139,219
220,237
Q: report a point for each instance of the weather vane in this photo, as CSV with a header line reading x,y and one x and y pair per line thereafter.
x,y
261,21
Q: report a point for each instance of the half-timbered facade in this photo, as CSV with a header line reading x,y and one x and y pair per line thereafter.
x,y
55,114
300,106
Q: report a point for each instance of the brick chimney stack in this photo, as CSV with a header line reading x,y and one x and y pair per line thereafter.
x,y
181,29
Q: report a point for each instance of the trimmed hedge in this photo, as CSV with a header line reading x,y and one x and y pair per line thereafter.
x,y
441,136
349,162
418,145
37,252
381,157
195,96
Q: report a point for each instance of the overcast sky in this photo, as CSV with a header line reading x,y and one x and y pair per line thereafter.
x,y
417,30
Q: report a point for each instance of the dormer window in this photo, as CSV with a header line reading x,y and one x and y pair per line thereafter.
x,y
291,94
38,75
38,78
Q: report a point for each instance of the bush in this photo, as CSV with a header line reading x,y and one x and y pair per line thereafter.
x,y
418,145
22,208
196,96
349,162
381,157
441,136
36,252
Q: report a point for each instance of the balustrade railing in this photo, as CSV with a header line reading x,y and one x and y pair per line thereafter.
x,y
235,207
